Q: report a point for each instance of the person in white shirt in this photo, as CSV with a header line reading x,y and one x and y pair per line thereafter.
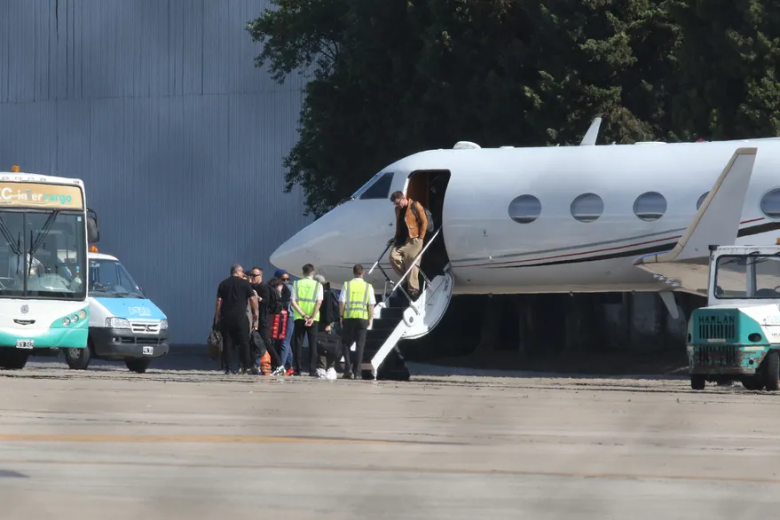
x,y
356,311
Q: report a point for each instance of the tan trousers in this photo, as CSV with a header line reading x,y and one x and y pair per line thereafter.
x,y
402,257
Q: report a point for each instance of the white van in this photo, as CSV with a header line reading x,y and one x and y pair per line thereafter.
x,y
123,324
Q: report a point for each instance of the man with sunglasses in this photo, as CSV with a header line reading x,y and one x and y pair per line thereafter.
x,y
263,324
286,352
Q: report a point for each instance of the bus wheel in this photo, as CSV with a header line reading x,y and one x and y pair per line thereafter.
x,y
698,381
137,365
772,371
13,359
78,358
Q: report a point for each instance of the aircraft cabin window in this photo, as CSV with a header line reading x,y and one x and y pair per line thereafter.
x,y
701,200
770,204
587,207
525,209
650,206
380,189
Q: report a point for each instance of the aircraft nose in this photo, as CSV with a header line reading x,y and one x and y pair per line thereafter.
x,y
288,256
299,250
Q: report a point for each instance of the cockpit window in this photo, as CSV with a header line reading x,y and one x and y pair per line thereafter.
x,y
377,188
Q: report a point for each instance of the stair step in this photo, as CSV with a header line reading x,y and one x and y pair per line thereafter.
x,y
392,313
398,300
383,324
378,333
372,346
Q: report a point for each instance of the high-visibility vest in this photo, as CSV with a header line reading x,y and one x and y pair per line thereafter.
x,y
356,305
306,291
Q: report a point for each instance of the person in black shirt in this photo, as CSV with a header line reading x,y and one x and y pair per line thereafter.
x,y
233,294
264,324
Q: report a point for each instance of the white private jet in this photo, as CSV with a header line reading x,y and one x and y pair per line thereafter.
x,y
547,220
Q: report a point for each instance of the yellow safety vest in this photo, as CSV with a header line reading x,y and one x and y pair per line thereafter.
x,y
356,305
306,291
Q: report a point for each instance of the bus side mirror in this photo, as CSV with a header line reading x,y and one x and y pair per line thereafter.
x,y
93,232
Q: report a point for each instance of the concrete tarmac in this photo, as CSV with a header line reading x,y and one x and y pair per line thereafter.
x,y
193,443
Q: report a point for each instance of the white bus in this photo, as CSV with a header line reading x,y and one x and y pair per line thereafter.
x,y
45,229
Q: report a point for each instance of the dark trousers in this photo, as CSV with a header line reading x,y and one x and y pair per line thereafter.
x,y
297,340
264,328
235,349
354,331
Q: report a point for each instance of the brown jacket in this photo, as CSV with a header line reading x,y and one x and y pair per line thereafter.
x,y
415,231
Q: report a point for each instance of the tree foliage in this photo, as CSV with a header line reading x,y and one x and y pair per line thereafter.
x,y
391,77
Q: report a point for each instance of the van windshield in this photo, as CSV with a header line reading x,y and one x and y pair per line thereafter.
x,y
110,279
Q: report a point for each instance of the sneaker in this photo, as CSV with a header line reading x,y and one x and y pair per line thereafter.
x,y
289,372
331,374
278,372
346,375
320,373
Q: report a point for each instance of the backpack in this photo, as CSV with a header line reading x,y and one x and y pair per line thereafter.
x,y
330,306
427,215
275,305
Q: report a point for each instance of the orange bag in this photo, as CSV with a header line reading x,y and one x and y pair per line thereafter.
x,y
265,363
279,325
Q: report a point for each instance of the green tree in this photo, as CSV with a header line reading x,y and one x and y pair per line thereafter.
x,y
359,56
728,63
390,77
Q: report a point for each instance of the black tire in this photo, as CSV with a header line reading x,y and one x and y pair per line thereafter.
x,y
78,358
137,365
698,381
772,371
753,383
11,359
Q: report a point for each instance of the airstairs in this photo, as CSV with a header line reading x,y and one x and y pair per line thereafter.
x,y
398,318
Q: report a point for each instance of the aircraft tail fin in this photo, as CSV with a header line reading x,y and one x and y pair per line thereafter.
x,y
717,221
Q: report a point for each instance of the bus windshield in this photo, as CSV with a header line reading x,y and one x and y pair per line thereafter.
x,y
42,254
110,279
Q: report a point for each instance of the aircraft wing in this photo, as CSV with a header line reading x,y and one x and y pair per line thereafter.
x,y
716,223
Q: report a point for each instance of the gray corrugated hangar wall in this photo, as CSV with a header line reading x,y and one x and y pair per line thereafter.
x,y
158,107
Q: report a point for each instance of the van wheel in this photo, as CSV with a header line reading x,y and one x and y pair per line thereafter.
x,y
698,381
11,359
137,365
78,358
772,371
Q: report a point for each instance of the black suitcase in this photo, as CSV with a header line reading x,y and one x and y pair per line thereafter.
x,y
328,343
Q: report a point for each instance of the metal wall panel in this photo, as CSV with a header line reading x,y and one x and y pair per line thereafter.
x,y
158,107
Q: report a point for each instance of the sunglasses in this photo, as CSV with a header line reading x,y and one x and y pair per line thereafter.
x,y
285,279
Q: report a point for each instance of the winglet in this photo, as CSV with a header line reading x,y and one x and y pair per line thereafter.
x,y
592,133
718,218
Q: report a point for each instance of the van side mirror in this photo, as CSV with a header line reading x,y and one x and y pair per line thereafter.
x,y
93,232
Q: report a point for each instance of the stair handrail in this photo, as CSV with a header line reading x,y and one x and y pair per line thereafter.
x,y
380,257
409,270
